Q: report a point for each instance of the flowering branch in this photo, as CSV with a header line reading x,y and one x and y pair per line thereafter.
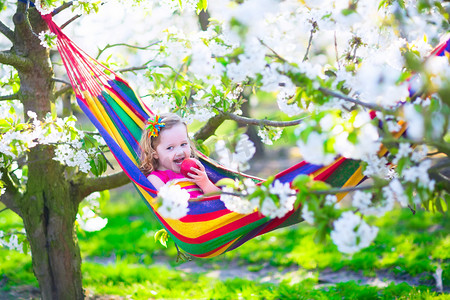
x,y
350,99
332,191
273,51
14,96
6,31
262,122
100,51
336,51
313,30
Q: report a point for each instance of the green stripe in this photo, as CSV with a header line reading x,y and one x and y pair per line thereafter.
x,y
122,115
215,243
340,176
128,91
212,244
129,123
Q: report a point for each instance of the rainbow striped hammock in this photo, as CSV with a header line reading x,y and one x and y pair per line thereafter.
x,y
209,229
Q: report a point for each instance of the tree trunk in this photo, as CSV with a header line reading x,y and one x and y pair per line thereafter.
x,y
48,207
49,213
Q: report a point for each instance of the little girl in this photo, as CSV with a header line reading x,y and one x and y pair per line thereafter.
x,y
164,145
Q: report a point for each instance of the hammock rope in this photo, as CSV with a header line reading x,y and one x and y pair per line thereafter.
x,y
209,229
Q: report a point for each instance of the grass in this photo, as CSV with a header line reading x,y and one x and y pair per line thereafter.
x,y
120,259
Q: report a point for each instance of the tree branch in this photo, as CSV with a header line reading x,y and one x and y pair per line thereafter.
x,y
62,91
209,128
90,185
62,81
313,30
70,21
8,199
350,99
11,196
6,31
14,96
18,62
61,8
100,51
264,122
131,69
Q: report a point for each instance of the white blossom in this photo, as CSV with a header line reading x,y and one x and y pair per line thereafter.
x,y
415,122
286,200
363,202
395,192
47,39
404,150
378,166
350,233
313,150
245,149
269,135
235,203
174,200
307,214
419,174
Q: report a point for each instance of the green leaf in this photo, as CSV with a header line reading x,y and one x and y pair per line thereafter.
x,y
94,169
301,181
225,182
4,125
319,186
162,236
201,5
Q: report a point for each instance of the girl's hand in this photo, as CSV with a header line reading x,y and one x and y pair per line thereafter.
x,y
200,178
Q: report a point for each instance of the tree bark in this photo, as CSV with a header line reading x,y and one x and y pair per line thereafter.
x,y
48,207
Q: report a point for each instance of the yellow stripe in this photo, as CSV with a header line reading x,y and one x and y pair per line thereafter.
x,y
204,227
93,106
105,120
129,112
200,228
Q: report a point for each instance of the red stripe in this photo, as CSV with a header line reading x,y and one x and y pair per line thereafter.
x,y
212,251
248,219
276,222
330,169
293,168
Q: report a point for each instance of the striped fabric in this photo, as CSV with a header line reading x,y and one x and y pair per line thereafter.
x,y
209,229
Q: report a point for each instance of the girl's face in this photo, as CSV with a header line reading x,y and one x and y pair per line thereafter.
x,y
173,148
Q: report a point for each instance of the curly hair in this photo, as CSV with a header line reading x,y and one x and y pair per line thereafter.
x,y
148,144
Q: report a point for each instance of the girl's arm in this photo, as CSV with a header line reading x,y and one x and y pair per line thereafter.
x,y
155,181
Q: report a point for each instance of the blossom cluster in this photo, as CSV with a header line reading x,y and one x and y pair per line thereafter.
x,y
88,218
71,146
174,201
272,198
372,56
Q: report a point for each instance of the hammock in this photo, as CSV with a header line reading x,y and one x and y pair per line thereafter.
x,y
209,229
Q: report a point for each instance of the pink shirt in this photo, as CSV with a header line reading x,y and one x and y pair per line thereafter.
x,y
171,177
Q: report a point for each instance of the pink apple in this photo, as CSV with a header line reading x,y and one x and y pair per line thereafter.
x,y
186,166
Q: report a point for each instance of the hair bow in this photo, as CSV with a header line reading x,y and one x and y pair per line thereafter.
x,y
154,126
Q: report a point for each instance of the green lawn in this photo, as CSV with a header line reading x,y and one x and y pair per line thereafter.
x,y
123,259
